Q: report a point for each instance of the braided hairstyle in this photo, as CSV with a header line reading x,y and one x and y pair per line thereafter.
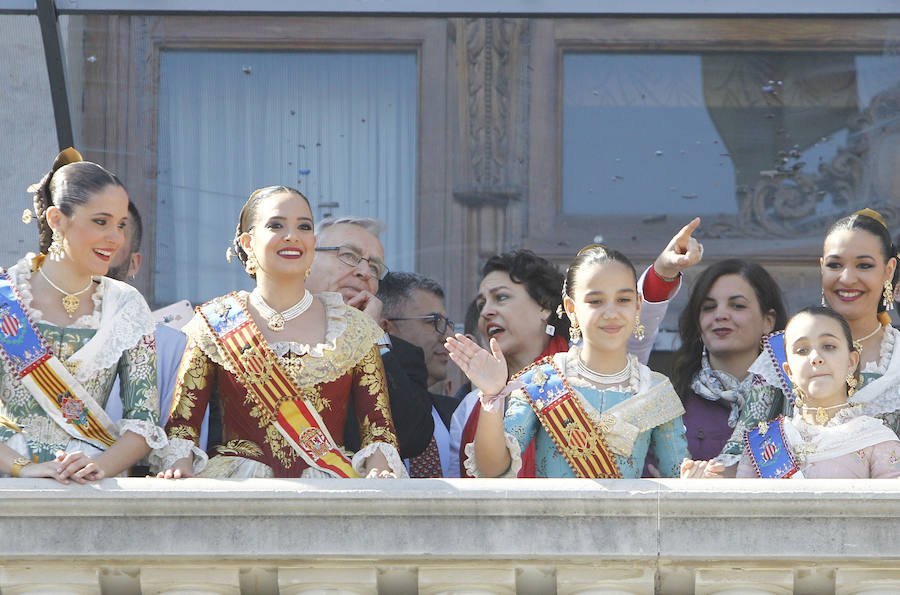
x,y
71,182
247,218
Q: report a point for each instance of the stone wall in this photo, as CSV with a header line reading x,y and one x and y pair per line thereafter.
x,y
450,536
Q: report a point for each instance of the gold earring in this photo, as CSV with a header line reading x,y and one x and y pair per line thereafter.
x,y
887,297
851,384
574,331
798,395
824,303
252,264
639,329
306,274
55,251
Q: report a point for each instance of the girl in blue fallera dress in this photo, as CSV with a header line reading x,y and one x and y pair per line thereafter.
x,y
593,411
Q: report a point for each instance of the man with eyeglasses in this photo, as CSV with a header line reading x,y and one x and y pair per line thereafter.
x,y
414,311
350,261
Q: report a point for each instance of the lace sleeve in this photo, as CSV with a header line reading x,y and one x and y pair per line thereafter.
x,y
390,453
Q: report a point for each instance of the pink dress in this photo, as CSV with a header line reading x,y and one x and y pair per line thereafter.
x,y
849,446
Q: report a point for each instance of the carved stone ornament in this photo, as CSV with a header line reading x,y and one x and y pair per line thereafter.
x,y
789,202
491,55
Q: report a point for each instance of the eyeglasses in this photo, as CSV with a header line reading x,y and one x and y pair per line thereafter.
x,y
352,258
442,324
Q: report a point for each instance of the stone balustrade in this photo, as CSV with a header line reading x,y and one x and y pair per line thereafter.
x,y
450,536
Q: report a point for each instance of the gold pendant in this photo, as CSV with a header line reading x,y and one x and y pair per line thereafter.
x,y
70,303
276,323
821,416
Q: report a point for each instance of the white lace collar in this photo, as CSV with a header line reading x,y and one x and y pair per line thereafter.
x,y
335,325
848,431
121,317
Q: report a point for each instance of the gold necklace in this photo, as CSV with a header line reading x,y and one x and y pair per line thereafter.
x,y
821,415
70,301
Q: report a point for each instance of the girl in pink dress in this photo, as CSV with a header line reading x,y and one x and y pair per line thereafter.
x,y
829,438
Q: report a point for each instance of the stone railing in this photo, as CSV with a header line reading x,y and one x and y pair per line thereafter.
x,y
450,536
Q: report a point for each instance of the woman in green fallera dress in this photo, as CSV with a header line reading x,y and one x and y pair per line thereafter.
x,y
95,329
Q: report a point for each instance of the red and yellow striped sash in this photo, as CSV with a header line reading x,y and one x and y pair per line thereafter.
x,y
266,381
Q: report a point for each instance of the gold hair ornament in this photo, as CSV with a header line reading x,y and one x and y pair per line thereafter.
x,y
872,214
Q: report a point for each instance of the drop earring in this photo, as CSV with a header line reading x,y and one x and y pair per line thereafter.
x,y
251,265
639,329
56,252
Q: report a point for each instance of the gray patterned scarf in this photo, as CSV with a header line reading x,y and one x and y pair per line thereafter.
x,y
716,385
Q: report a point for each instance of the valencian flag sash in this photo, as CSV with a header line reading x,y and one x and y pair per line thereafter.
x,y
769,452
259,371
773,346
568,424
31,360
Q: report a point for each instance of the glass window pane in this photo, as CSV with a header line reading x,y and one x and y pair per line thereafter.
x,y
339,126
29,129
698,133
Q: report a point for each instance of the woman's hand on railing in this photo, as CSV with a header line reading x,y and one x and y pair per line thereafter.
x,y
701,469
180,469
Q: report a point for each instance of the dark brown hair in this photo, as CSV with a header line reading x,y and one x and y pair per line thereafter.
x,y
686,361
67,185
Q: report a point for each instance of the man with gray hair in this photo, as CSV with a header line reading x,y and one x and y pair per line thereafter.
x,y
350,261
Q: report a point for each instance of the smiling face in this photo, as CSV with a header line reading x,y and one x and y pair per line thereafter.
x,y
605,303
281,237
731,321
509,315
329,273
94,231
854,272
818,357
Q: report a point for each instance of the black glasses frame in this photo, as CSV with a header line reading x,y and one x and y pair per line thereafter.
x,y
436,319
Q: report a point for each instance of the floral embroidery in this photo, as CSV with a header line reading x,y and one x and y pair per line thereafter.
x,y
195,369
184,432
240,448
373,432
280,448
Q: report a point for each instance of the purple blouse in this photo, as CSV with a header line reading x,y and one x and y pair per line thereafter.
x,y
707,427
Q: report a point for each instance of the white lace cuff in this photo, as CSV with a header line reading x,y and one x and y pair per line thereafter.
x,y
178,448
515,458
389,452
149,431
492,403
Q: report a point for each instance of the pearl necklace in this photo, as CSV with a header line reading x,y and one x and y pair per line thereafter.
x,y
857,343
70,301
274,319
626,377
614,378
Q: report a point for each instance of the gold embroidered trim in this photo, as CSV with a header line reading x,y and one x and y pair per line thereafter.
x,y
351,345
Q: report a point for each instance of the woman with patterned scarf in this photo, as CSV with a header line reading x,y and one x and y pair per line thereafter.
x,y
733,304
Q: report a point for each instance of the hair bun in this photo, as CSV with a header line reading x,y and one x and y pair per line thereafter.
x,y
65,157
